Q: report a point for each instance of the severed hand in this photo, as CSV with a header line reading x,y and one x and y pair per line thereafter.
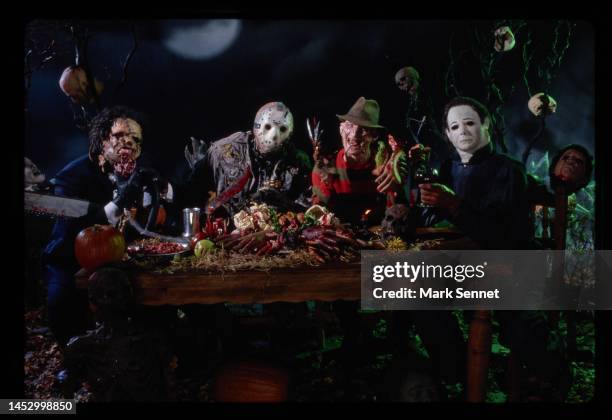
x,y
323,241
261,242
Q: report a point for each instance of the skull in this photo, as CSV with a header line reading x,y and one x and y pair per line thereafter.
x,y
542,103
396,222
272,127
73,83
407,79
504,39
32,175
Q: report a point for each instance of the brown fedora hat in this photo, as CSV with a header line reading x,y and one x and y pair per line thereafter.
x,y
365,113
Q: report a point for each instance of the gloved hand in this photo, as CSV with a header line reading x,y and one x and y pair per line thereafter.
x,y
130,191
150,176
197,153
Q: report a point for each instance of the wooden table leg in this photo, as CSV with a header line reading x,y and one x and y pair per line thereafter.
x,y
479,352
513,377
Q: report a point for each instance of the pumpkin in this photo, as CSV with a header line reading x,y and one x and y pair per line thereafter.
x,y
98,245
251,381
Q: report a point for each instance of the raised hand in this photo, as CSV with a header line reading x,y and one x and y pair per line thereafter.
x,y
393,172
197,152
314,133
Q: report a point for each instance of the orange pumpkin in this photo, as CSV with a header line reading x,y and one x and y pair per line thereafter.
x,y
98,245
251,381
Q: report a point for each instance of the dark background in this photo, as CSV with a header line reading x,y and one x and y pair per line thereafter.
x,y
317,67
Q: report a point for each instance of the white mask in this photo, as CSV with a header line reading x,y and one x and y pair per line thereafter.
x,y
466,132
272,127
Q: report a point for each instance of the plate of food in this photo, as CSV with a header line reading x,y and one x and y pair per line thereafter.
x,y
154,247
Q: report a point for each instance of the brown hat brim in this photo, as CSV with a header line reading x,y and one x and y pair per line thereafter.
x,y
358,121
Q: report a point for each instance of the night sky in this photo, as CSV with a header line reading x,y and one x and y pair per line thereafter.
x,y
208,78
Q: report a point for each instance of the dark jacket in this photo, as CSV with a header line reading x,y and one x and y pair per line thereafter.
x,y
494,210
81,178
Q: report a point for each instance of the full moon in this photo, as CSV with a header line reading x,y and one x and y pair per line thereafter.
x,y
201,40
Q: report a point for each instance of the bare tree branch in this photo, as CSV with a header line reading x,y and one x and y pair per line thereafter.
x,y
47,54
128,58
527,57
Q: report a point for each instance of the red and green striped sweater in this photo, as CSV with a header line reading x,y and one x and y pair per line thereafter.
x,y
349,190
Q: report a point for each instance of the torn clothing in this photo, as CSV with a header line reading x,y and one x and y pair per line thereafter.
x,y
280,179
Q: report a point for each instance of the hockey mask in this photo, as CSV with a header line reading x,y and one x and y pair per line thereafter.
x,y
273,127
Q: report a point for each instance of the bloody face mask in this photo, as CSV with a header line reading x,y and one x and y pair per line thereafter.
x,y
356,141
123,146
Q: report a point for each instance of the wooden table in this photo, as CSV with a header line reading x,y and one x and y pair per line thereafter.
x,y
328,282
